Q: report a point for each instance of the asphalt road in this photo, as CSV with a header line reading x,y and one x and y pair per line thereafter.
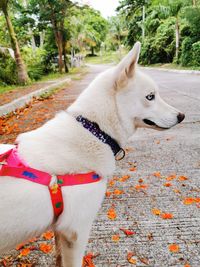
x,y
172,152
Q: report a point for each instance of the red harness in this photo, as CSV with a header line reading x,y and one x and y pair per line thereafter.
x,y
12,165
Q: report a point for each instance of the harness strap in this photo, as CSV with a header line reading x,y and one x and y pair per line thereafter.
x,y
12,165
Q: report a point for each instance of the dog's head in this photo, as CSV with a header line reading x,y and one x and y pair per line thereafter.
x,y
138,98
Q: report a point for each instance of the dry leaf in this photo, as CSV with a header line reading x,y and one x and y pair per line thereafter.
x,y
127,232
166,216
174,248
111,214
156,211
46,248
115,238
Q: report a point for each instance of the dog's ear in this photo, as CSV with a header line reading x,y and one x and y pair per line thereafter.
x,y
125,69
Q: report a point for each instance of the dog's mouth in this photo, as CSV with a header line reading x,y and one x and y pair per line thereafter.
x,y
153,124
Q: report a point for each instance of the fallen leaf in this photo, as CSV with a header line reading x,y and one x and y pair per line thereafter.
x,y
117,192
24,252
124,178
130,258
182,178
108,193
140,186
174,248
156,211
127,232
166,216
167,184
133,169
157,174
188,200
88,260
111,214
46,248
48,235
115,238
171,177
187,265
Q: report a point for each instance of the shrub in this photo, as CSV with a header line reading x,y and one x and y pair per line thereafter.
x,y
186,54
35,62
8,72
196,54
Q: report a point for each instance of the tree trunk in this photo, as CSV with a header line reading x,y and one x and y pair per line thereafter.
x,y
177,38
92,50
21,69
65,58
194,3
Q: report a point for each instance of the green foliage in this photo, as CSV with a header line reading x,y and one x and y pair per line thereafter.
x,y
196,54
35,62
8,73
160,48
186,55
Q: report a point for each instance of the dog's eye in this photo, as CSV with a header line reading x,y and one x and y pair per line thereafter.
x,y
150,97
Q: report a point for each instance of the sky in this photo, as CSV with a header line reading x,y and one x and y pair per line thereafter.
x,y
106,7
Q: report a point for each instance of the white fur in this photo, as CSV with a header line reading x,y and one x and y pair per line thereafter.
x,y
116,101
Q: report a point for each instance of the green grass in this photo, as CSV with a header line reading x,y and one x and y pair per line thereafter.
x,y
109,57
74,74
172,66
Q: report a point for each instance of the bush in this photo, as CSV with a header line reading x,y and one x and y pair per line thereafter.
x,y
161,47
34,62
8,72
186,54
196,54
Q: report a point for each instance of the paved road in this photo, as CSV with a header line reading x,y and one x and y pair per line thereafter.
x,y
176,151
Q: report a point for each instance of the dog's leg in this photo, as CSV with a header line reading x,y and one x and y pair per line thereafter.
x,y
73,247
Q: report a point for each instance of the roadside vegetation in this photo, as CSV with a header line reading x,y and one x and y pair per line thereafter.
x,y
48,38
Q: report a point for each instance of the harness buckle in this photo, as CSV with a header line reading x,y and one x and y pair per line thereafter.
x,y
120,155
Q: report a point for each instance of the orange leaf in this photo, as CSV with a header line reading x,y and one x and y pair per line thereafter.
x,y
115,238
48,235
108,193
171,177
46,248
111,183
182,178
189,200
174,248
133,169
156,211
166,216
111,214
177,191
130,258
167,184
157,174
118,192
87,260
124,178
187,265
141,186
127,232
20,246
24,252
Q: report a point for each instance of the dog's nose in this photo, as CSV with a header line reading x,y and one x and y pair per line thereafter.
x,y
180,117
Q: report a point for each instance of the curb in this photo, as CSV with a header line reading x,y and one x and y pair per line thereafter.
x,y
22,101
196,72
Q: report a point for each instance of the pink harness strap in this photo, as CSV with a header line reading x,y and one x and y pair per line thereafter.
x,y
12,165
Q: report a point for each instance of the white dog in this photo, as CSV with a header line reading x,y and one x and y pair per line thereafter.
x,y
119,100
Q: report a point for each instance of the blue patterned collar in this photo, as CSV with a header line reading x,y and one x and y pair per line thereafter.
x,y
94,128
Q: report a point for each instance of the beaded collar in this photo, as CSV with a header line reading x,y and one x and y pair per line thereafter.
x,y
94,128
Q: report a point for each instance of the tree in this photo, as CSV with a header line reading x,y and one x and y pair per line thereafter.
x,y
54,12
22,73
